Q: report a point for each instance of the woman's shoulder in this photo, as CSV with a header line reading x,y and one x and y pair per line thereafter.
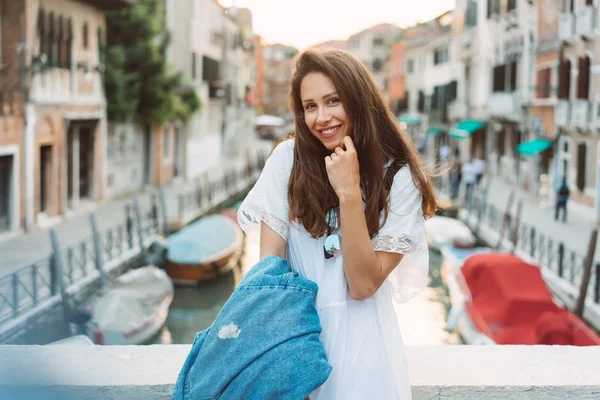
x,y
284,150
403,181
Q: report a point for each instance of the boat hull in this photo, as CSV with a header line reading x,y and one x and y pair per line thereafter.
x,y
191,274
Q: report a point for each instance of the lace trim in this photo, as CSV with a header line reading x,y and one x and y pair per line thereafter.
x,y
249,221
394,244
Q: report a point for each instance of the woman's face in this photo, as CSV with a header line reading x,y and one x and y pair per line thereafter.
x,y
324,113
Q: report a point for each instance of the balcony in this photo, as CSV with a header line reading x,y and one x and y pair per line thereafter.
x,y
457,110
565,29
562,116
505,105
581,114
585,22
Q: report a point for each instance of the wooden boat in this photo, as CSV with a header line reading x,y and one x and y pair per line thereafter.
x,y
506,301
133,308
441,230
203,250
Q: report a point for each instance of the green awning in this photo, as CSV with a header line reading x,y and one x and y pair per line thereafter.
x,y
410,119
465,128
434,130
533,146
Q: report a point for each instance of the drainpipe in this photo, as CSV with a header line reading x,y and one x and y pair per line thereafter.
x,y
28,134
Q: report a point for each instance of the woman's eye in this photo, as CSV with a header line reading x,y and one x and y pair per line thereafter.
x,y
334,100
309,106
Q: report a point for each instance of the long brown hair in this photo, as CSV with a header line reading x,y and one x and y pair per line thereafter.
x,y
376,136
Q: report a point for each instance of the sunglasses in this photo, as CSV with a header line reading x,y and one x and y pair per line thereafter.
x,y
332,246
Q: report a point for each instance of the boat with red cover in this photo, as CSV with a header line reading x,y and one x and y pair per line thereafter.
x,y
506,301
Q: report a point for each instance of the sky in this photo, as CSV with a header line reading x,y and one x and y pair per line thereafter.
x,y
302,23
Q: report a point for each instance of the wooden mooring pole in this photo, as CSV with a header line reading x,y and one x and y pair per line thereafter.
x,y
587,273
517,224
511,199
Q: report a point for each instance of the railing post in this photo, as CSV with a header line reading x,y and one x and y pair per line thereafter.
x,y
561,256
597,286
129,226
15,294
138,222
163,207
56,275
532,241
98,262
154,211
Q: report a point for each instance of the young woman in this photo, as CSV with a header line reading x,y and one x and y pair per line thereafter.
x,y
344,201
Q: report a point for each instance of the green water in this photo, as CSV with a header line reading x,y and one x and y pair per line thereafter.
x,y
195,308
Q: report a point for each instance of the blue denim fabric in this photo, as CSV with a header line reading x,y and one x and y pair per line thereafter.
x,y
277,354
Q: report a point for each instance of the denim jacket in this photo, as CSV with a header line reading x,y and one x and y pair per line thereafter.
x,y
264,343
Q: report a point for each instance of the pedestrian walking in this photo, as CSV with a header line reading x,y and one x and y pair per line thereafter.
x,y
562,197
479,169
355,228
469,179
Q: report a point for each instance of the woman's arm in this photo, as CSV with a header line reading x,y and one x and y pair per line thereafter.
x,y
271,244
365,269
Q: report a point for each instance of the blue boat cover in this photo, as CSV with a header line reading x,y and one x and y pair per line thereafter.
x,y
201,240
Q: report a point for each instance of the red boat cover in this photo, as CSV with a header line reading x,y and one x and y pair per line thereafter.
x,y
512,305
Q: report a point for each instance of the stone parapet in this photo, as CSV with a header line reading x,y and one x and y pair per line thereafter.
x,y
436,372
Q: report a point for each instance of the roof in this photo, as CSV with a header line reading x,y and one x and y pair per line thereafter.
x,y
378,27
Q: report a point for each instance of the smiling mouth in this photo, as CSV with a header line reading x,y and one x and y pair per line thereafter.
x,y
329,132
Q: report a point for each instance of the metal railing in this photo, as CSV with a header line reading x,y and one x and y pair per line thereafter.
x,y
51,277
549,253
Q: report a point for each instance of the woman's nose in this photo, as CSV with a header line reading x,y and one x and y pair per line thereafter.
x,y
323,115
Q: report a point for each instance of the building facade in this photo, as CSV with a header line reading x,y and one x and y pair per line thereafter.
x,y
278,70
51,79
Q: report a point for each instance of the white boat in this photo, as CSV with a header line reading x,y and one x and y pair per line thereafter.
x,y
132,308
441,230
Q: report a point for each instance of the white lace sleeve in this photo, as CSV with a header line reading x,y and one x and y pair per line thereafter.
x,y
267,201
404,232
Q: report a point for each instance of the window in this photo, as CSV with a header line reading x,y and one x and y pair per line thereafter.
x,y
564,79
544,83
41,29
210,69
193,65
504,77
377,65
440,56
471,13
410,65
498,78
84,36
377,42
583,80
511,5
581,162
100,41
51,39
421,101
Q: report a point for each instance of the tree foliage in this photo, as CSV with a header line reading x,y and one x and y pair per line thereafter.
x,y
138,82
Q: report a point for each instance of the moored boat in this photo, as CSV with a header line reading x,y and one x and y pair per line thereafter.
x,y
440,231
505,301
203,250
133,307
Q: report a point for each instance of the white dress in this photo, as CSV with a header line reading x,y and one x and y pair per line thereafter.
x,y
361,338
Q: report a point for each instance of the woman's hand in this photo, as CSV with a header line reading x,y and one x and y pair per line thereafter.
x,y
343,170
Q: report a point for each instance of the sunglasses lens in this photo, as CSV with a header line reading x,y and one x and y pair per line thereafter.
x,y
332,246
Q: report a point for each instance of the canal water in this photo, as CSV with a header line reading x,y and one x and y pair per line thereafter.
x,y
422,319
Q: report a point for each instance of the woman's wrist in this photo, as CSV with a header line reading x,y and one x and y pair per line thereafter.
x,y
350,197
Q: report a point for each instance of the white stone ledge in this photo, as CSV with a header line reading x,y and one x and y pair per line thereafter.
x,y
437,372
